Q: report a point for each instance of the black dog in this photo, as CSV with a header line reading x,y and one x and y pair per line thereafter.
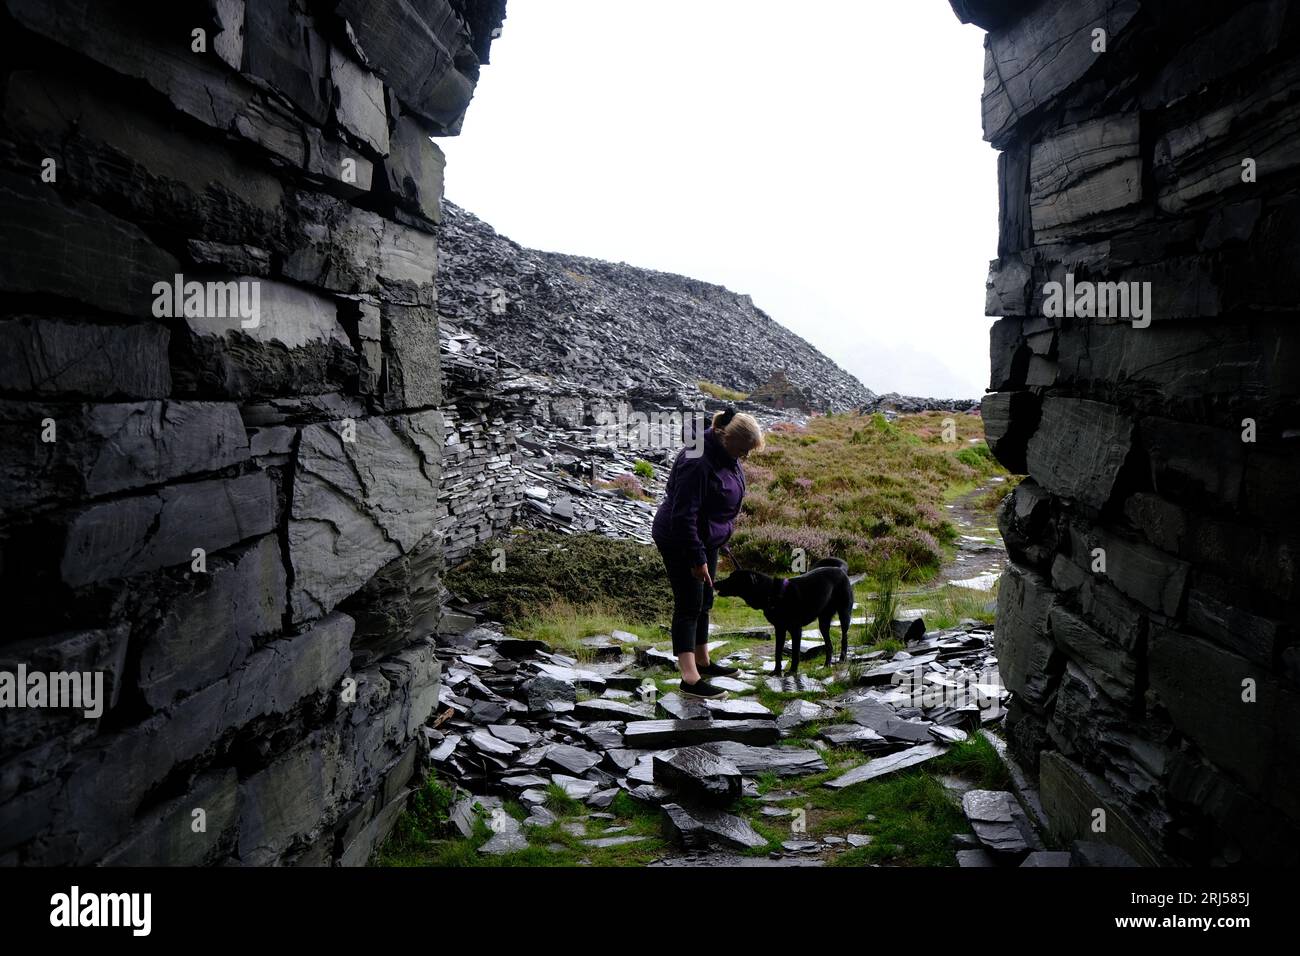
x,y
790,604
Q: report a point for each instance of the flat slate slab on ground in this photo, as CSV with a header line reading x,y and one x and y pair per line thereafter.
x,y
654,734
784,761
692,708
697,827
880,766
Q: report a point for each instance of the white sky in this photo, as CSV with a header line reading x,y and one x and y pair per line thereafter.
x,y
824,157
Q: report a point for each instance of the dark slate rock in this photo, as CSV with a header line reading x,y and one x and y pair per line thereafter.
x,y
1092,853
489,744
908,631
698,827
800,712
993,817
573,760
574,787
884,673
487,712
543,691
600,709
1047,858
602,798
601,842
690,708
515,734
697,772
854,735
783,761
654,734
650,793
975,858
881,766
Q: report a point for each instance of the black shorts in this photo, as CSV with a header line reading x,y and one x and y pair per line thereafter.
x,y
692,599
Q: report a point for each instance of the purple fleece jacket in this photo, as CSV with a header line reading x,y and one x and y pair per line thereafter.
x,y
701,501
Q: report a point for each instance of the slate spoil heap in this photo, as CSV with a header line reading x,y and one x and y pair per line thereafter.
x,y
516,716
618,328
1148,622
531,449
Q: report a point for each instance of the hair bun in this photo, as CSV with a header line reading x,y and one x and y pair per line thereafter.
x,y
724,417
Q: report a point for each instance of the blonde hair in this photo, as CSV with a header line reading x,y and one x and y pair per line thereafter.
x,y
743,428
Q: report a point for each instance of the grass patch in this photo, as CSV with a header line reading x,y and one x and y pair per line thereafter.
x,y
862,488
544,569
721,392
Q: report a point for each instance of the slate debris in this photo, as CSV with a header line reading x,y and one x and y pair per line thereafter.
x,y
699,758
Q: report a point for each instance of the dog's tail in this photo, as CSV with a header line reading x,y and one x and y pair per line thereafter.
x,y
833,563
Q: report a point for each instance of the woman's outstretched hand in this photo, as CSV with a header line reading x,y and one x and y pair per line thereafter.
x,y
702,573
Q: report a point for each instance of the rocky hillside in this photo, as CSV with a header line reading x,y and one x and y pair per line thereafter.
x,y
619,328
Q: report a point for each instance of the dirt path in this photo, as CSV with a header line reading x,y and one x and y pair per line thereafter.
x,y
980,555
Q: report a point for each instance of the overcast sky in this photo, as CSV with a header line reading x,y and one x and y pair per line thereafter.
x,y
824,157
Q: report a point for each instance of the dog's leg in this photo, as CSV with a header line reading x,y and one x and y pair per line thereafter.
x,y
796,633
824,625
846,615
780,648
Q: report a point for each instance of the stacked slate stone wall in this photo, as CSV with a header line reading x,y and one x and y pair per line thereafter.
x,y
1148,624
232,515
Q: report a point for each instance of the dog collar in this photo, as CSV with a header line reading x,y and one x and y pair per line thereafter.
x,y
779,591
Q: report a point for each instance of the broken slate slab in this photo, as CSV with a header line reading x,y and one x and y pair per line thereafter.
x,y
655,734
800,712
784,761
444,750
697,827
463,812
489,744
881,766
601,709
651,793
854,735
545,689
1047,858
604,735
948,735
601,842
573,760
996,819
514,734
698,773
692,708
975,858
524,781
575,788
901,664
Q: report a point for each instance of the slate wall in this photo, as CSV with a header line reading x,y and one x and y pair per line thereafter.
x,y
237,524
1148,624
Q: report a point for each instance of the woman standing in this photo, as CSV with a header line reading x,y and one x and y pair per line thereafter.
x,y
695,519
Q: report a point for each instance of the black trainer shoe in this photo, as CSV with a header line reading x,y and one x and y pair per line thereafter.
x,y
717,670
704,689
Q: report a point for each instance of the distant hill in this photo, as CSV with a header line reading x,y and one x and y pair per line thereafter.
x,y
620,328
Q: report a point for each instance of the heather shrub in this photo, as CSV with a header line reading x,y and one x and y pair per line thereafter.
x,y
860,488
